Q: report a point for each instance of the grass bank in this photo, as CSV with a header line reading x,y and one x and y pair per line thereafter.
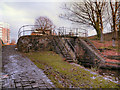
x,y
65,75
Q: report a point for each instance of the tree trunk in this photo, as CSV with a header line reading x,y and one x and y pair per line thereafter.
x,y
101,24
98,33
119,36
97,26
119,40
114,26
114,9
114,31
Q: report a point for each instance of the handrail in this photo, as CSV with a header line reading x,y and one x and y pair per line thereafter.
x,y
66,50
74,50
71,45
72,31
64,30
61,41
23,31
63,46
20,29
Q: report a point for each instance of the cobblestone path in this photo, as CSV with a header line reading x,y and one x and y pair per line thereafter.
x,y
20,72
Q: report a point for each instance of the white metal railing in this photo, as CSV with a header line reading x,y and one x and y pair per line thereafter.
x,y
61,31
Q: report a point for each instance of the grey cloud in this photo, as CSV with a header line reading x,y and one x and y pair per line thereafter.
x,y
26,12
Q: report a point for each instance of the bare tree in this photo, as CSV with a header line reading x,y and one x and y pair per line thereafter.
x,y
114,12
87,13
43,24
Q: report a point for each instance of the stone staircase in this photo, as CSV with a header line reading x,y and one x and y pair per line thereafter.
x,y
109,63
61,47
93,47
94,57
67,50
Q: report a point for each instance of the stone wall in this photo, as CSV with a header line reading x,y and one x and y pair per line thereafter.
x,y
90,55
83,52
34,43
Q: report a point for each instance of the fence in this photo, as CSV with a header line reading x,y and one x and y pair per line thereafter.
x,y
29,29
72,32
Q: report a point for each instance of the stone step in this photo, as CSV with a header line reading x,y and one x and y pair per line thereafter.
x,y
117,63
110,66
93,48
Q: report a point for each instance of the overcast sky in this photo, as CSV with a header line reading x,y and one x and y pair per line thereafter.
x,y
23,12
18,14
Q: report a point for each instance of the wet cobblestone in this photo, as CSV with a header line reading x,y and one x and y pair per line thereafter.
x,y
21,72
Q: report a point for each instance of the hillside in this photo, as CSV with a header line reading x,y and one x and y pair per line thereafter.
x,y
107,36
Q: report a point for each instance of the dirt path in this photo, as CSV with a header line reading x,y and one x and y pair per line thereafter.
x,y
20,72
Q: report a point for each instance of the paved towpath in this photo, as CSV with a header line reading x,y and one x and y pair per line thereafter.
x,y
20,72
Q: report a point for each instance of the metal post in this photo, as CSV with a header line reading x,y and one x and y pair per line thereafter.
x,y
65,31
59,31
53,32
70,32
86,33
76,32
23,30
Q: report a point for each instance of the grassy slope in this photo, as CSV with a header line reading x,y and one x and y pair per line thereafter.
x,y
63,74
106,44
106,36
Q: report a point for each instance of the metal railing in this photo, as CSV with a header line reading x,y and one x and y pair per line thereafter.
x,y
59,43
26,30
76,32
72,32
66,41
61,31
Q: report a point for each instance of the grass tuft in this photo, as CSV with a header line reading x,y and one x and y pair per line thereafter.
x,y
65,75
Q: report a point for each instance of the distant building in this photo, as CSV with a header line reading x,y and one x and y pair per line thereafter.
x,y
5,32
